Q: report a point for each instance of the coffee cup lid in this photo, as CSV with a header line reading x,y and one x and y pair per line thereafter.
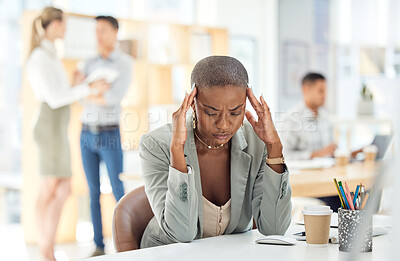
x,y
370,149
317,210
341,153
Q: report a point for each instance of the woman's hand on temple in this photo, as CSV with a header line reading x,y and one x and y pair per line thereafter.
x,y
179,132
179,120
264,126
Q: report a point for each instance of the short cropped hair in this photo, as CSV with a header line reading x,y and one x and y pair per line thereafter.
x,y
110,19
219,71
312,77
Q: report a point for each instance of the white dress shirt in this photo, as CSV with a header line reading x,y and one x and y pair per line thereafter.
x,y
49,80
304,132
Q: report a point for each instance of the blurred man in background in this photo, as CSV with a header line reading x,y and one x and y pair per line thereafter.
x,y
308,132
100,137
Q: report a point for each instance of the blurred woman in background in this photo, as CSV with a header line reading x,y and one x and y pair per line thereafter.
x,y
50,85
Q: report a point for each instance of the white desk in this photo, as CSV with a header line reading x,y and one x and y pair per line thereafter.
x,y
242,247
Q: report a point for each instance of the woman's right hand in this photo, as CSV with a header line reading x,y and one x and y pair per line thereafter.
x,y
179,131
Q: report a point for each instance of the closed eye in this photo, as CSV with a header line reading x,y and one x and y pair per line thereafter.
x,y
236,113
209,113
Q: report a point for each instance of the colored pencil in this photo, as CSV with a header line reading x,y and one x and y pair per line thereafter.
x,y
364,201
340,194
343,195
356,195
350,199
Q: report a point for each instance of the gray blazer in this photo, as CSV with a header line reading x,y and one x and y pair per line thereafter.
x,y
176,198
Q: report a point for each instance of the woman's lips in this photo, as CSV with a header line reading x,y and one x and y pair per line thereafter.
x,y
221,136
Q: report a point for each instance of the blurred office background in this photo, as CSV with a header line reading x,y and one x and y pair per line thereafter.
x,y
355,43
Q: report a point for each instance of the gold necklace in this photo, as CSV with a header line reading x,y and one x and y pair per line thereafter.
x,y
208,146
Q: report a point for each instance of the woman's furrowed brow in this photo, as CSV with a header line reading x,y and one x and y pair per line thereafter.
x,y
237,107
211,107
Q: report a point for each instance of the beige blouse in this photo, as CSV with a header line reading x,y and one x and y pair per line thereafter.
x,y
215,219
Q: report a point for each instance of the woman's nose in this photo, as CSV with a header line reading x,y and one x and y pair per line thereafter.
x,y
223,123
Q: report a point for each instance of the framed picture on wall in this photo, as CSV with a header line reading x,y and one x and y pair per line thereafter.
x,y
295,63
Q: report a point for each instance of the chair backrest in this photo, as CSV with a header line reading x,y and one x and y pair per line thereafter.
x,y
131,216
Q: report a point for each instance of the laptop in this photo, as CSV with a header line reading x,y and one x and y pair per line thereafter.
x,y
382,142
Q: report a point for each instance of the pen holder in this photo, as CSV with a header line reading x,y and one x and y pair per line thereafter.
x,y
348,230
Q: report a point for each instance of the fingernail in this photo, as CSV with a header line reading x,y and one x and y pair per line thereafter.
x,y
262,96
193,85
185,92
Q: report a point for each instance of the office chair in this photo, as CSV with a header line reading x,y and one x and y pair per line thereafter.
x,y
131,216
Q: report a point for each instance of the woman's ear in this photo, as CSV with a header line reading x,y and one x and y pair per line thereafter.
x,y
194,107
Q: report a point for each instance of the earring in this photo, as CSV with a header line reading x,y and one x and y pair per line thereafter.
x,y
194,121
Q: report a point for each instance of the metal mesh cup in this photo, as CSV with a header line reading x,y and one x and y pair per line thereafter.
x,y
348,229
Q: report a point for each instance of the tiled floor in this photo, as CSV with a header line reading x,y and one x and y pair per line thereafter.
x,y
13,247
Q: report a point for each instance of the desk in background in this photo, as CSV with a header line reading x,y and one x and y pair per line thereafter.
x,y
243,247
319,182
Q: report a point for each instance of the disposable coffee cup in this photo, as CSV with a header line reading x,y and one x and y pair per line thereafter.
x,y
317,222
370,153
342,157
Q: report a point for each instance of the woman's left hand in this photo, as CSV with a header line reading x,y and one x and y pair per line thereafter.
x,y
264,126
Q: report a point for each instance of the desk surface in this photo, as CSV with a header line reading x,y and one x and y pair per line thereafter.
x,y
319,182
242,247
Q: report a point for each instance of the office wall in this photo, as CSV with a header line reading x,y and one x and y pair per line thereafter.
x,y
252,24
304,46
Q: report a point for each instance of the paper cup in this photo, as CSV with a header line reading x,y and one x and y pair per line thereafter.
x,y
370,153
317,221
342,157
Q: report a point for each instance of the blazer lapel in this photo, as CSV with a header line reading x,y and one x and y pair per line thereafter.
x,y
240,166
192,160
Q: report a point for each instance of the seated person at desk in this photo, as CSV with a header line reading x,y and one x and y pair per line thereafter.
x,y
213,173
308,132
